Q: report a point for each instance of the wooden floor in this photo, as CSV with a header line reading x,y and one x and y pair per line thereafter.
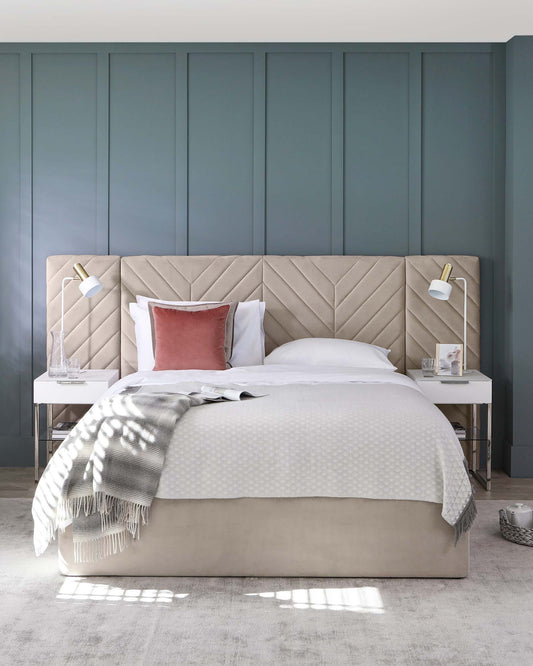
x,y
18,482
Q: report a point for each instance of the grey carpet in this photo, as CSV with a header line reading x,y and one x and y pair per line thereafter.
x,y
48,619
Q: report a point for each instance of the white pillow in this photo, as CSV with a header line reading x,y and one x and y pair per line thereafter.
x,y
331,351
248,334
143,337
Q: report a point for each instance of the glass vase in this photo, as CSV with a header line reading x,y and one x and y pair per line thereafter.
x,y
57,366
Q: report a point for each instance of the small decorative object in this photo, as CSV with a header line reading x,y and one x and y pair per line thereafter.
x,y
459,429
520,515
521,535
441,290
57,366
73,368
428,367
89,286
448,360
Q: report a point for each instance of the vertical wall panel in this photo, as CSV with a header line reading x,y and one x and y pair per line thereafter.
x,y
376,181
298,153
457,166
259,166
64,169
457,152
13,289
142,169
519,240
220,153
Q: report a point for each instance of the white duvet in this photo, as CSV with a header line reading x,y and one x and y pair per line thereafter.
x,y
319,432
265,375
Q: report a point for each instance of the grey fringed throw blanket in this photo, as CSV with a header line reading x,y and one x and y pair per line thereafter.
x,y
107,473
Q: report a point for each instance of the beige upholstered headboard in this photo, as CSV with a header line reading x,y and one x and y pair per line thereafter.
x,y
347,297
380,300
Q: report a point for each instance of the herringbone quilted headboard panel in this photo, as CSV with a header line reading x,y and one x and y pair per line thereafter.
x,y
92,326
380,300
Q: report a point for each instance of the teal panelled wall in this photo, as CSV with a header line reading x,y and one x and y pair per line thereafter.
x,y
15,262
298,153
142,153
240,148
519,247
376,153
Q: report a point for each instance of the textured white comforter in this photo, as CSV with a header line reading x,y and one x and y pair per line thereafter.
x,y
320,432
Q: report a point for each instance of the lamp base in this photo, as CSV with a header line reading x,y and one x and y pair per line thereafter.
x,y
57,371
58,365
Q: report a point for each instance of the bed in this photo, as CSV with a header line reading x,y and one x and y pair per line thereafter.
x,y
379,300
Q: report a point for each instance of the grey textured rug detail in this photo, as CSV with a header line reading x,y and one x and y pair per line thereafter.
x,y
48,619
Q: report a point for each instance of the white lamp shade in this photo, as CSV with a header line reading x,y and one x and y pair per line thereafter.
x,y
440,290
90,286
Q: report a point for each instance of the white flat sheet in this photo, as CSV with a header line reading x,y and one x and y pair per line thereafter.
x,y
266,375
319,432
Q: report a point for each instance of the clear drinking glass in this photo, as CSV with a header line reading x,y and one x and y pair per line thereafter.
x,y
428,367
73,368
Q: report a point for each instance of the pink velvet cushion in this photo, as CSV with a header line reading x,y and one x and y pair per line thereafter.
x,y
188,339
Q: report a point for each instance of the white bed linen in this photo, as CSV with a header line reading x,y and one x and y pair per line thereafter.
x,y
266,375
319,432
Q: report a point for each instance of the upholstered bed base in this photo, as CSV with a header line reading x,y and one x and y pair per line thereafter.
x,y
319,537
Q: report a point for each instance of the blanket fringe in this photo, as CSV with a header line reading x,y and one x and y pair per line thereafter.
x,y
120,524
91,550
111,510
466,519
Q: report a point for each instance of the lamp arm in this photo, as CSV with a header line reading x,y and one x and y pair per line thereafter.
x,y
63,284
463,280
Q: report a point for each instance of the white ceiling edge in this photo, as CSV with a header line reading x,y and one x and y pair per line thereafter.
x,y
264,20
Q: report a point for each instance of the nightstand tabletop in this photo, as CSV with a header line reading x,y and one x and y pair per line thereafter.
x,y
85,390
470,376
473,388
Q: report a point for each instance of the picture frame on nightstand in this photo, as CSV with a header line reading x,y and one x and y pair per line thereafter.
x,y
449,359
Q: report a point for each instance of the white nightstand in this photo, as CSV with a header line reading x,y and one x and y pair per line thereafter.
x,y
49,391
473,388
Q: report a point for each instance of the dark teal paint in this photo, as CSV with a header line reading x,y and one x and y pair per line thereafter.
x,y
519,245
13,357
298,153
497,260
376,150
280,148
415,152
15,275
142,153
221,153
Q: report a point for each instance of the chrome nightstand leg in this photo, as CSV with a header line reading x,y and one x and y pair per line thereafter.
x,y
36,440
49,427
484,481
475,427
489,445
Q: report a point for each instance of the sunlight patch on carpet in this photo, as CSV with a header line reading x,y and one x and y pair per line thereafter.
x,y
77,589
355,599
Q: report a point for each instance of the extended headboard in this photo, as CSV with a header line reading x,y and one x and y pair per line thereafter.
x,y
380,300
347,297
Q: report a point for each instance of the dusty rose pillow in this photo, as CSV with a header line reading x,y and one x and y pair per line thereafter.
x,y
190,339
